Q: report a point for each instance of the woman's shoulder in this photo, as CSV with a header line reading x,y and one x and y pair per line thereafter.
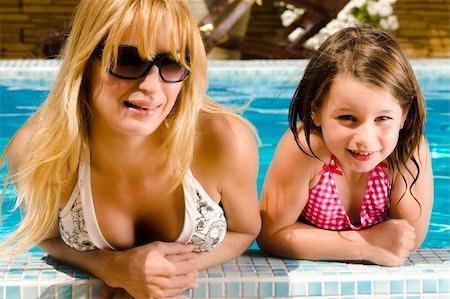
x,y
227,136
227,130
18,145
226,153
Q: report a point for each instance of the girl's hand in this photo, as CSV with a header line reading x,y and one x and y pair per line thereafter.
x,y
390,242
155,270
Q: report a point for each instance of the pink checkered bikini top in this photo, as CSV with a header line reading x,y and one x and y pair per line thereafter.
x,y
324,209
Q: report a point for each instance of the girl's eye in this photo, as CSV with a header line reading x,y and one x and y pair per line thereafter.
x,y
382,118
346,117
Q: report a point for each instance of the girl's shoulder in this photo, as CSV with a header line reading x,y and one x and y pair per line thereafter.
x,y
419,163
299,160
303,149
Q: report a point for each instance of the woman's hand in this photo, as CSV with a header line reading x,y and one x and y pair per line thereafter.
x,y
155,270
389,242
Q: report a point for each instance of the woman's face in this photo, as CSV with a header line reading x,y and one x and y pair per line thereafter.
x,y
135,107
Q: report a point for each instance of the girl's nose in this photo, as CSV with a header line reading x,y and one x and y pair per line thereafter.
x,y
363,134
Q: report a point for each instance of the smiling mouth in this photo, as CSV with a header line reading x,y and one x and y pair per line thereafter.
x,y
361,153
134,106
361,156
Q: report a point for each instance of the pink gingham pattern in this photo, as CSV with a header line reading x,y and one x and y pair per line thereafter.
x,y
324,209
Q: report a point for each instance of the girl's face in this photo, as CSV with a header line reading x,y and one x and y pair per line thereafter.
x,y
360,123
134,107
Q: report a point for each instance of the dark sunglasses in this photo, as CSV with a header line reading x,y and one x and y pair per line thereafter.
x,y
131,66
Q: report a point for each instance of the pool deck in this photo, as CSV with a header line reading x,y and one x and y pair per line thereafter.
x,y
426,274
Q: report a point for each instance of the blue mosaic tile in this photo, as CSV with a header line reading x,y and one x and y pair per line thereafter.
x,y
215,275
265,288
48,274
413,286
364,287
267,274
396,287
444,284
233,289
315,289
429,286
282,289
80,291
347,288
64,291
12,292
381,287
200,291
250,289
216,289
331,288
298,289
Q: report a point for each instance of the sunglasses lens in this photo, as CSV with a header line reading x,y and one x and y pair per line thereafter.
x,y
131,66
129,63
171,70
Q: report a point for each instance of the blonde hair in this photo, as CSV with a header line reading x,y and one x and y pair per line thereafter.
x,y
60,126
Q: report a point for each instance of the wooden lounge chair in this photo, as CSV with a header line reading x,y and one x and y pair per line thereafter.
x,y
317,14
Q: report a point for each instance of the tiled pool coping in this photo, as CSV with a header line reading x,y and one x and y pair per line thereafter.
x,y
426,274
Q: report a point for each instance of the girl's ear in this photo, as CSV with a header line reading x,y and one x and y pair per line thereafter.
x,y
315,119
405,114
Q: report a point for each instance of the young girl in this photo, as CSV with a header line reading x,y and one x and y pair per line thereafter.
x,y
352,180
128,170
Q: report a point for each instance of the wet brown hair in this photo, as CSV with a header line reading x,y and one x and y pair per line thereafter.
x,y
373,56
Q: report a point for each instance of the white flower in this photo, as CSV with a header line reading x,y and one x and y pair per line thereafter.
x,y
384,9
389,23
359,3
381,9
373,7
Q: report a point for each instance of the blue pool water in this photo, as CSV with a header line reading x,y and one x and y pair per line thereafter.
x,y
268,85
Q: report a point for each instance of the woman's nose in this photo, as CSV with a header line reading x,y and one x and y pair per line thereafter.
x,y
151,79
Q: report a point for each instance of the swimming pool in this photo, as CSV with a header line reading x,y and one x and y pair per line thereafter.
x,y
268,85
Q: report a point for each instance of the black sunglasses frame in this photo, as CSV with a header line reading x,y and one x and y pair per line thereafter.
x,y
159,58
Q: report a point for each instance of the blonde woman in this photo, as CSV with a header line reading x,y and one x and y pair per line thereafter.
x,y
128,170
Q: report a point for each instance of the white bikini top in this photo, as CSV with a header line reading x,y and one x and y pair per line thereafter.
x,y
204,220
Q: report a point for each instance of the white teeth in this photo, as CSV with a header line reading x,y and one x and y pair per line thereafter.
x,y
361,153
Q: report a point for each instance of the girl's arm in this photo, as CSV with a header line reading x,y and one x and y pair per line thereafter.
x,y
415,203
233,158
284,195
